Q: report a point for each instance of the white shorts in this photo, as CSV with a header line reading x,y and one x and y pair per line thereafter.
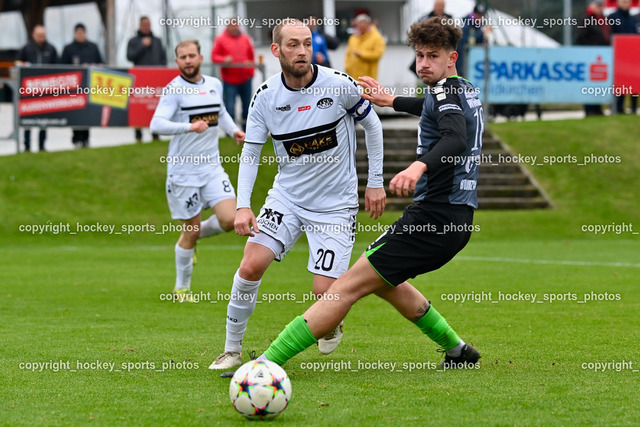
x,y
330,234
186,200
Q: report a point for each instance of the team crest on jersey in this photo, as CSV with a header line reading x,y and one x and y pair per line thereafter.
x,y
284,108
311,144
210,117
325,103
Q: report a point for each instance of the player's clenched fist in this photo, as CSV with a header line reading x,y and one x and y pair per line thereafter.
x,y
245,219
199,126
239,137
404,183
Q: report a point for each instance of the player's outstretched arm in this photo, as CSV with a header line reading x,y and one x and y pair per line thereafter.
x,y
375,93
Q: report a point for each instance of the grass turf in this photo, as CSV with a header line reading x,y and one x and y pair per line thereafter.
x,y
79,299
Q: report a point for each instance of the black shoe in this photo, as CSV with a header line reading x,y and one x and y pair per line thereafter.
x,y
468,356
228,374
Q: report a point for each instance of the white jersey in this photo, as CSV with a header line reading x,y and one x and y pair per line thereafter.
x,y
313,132
193,157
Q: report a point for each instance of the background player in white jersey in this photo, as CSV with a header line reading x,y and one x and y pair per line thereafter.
x,y
191,109
310,112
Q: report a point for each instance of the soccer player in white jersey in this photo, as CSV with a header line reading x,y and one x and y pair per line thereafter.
x,y
310,112
191,109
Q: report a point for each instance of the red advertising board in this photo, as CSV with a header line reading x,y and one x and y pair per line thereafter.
x,y
626,62
614,3
94,96
146,92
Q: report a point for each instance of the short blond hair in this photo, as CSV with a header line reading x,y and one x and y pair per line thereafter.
x,y
286,22
186,43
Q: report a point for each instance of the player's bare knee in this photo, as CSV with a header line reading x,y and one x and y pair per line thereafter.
x,y
346,290
250,270
191,235
226,223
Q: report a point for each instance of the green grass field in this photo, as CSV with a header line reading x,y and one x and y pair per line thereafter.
x,y
69,301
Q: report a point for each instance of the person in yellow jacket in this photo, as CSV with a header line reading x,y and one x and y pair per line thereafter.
x,y
364,49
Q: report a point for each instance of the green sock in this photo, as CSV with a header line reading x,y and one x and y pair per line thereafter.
x,y
295,338
436,327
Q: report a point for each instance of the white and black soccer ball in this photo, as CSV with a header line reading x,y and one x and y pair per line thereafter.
x,y
260,390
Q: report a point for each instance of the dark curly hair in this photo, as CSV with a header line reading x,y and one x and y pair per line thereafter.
x,y
435,32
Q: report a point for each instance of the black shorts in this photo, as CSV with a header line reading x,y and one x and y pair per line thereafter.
x,y
423,239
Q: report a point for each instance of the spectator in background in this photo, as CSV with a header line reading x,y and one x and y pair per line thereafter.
x,y
438,10
624,23
364,49
232,46
320,51
146,49
474,32
37,51
593,31
81,52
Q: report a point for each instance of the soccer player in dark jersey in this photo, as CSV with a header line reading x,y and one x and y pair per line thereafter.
x,y
433,229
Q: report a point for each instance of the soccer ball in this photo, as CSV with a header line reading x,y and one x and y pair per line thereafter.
x,y
260,390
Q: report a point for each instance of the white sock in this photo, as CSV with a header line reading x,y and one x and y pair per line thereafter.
x,y
184,267
241,304
210,227
456,351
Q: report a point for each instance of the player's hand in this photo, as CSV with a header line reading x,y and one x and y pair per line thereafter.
x,y
375,199
199,126
375,93
245,219
238,135
404,183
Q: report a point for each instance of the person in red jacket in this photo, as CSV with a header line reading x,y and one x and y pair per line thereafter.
x,y
233,46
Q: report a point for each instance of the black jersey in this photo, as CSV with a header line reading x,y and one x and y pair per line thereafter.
x,y
449,142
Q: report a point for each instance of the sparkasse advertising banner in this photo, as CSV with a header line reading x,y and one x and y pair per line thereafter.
x,y
563,75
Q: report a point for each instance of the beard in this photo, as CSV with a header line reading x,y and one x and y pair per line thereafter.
x,y
196,70
293,70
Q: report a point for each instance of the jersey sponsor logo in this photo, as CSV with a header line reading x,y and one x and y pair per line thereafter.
x,y
311,144
325,103
270,219
191,202
446,107
304,108
210,117
468,184
284,108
